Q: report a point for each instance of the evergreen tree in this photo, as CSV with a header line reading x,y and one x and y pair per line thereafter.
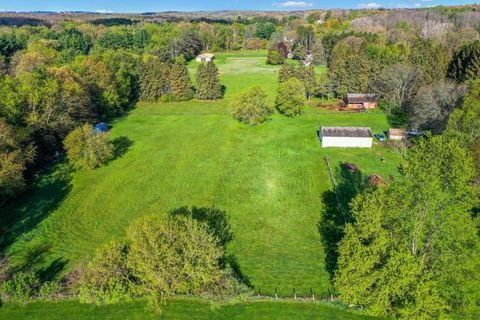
x,y
287,71
208,83
309,80
275,57
180,84
465,64
154,79
349,68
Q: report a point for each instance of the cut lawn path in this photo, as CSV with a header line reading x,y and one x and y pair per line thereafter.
x,y
269,179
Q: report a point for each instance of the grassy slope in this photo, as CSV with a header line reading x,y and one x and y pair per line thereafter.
x,y
269,179
178,310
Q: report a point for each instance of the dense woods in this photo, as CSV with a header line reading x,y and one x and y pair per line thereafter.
x,y
407,251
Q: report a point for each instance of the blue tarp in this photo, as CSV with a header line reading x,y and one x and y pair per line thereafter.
x,y
101,127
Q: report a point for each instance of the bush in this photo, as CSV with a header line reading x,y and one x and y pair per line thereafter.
x,y
251,107
22,287
107,279
173,255
290,98
87,148
275,57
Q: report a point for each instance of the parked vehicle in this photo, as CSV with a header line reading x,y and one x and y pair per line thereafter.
x,y
380,137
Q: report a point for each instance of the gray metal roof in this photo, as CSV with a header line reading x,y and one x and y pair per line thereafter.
x,y
359,98
352,132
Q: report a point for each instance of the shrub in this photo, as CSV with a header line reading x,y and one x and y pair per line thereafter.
x,y
275,57
22,287
173,255
290,97
87,148
251,106
107,279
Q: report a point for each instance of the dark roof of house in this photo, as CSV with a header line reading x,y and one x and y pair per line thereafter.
x,y
351,132
359,98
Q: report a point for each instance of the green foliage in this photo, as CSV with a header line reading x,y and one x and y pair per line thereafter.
x,y
465,63
172,255
432,58
412,251
349,69
15,154
287,71
154,79
208,83
10,42
466,120
181,87
107,279
87,148
265,30
21,288
290,98
275,57
251,107
299,53
74,42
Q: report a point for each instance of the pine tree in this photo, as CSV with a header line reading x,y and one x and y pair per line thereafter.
x,y
180,84
309,81
208,83
274,56
154,79
465,64
287,71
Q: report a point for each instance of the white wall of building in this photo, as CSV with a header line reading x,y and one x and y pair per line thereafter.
x,y
347,142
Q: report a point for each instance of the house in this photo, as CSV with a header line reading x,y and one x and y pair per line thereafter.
x,y
346,137
205,57
396,134
360,101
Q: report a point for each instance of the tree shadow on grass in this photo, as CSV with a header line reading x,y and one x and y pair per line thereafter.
x,y
121,145
216,220
219,226
51,272
336,212
25,213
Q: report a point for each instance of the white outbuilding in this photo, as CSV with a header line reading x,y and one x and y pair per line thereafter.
x,y
346,137
205,57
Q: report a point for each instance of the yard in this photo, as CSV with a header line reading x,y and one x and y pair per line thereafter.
x,y
269,179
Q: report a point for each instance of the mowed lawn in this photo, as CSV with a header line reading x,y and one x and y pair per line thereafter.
x,y
269,180
178,309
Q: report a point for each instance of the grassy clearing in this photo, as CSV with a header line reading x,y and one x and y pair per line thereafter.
x,y
179,309
269,179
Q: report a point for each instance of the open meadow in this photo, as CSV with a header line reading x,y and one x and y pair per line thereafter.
x,y
268,179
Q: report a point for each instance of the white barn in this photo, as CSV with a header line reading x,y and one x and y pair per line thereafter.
x,y
346,137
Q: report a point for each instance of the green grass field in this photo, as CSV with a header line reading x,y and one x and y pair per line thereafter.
x,y
268,178
179,309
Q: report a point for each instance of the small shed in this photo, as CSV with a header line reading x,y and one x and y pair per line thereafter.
x,y
346,137
205,57
100,127
396,134
360,101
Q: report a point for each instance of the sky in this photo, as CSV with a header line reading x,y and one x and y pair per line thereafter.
x,y
135,6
